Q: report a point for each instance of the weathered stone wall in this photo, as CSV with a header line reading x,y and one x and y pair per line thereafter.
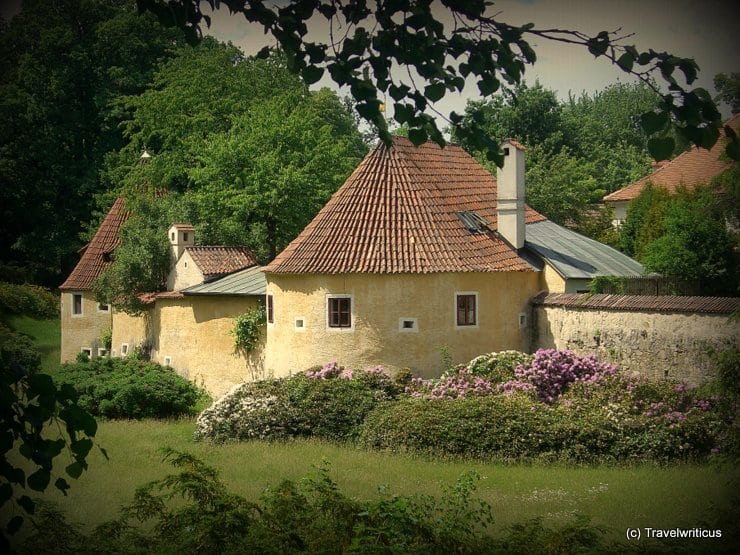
x,y
656,344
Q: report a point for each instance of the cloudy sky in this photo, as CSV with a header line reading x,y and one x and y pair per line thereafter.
x,y
707,30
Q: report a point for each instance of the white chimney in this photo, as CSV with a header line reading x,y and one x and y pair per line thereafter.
x,y
181,236
510,194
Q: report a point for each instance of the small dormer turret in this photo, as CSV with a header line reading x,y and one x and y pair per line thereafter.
x,y
181,236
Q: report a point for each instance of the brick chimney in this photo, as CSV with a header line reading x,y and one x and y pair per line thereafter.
x,y
510,194
181,236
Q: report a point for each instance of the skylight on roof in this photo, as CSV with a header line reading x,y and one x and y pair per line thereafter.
x,y
473,222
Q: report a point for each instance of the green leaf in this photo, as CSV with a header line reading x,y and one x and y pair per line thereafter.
x,y
417,136
27,504
598,44
435,91
14,525
652,122
311,74
488,85
6,492
661,148
62,485
402,112
74,470
81,447
39,480
398,93
733,150
626,61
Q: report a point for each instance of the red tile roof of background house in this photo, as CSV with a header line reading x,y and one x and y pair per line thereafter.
x,y
96,255
398,213
219,261
696,166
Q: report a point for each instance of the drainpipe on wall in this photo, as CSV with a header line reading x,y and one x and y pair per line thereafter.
x,y
510,194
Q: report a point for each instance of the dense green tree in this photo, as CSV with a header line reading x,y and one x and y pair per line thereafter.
x,y
243,150
695,244
728,90
434,59
262,182
64,62
644,222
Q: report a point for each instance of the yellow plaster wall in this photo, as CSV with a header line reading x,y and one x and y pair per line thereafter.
x,y
184,273
194,333
553,282
82,331
132,330
378,304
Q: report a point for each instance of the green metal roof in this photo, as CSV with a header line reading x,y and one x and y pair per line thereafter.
x,y
250,281
574,256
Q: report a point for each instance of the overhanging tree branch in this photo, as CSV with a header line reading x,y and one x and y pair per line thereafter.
x,y
406,34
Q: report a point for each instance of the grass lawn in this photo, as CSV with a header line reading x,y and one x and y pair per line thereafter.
x,y
616,498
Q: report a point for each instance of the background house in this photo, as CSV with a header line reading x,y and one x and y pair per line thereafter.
x,y
421,250
697,166
83,319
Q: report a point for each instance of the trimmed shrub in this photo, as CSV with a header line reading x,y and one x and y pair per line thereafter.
x,y
123,388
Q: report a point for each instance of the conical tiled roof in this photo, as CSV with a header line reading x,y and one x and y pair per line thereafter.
x,y
399,212
97,254
696,166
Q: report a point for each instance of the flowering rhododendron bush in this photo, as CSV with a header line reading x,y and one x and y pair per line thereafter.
x,y
553,405
329,402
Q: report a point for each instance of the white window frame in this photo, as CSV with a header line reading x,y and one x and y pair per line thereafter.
x,y
167,361
87,351
301,319
124,350
102,352
103,311
351,298
413,329
81,313
477,310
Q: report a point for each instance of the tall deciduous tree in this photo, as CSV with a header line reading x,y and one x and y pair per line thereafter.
x,y
64,63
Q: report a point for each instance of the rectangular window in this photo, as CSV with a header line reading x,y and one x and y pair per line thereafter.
x,y
270,312
408,325
340,312
77,304
466,309
124,349
87,351
168,361
300,323
102,352
102,307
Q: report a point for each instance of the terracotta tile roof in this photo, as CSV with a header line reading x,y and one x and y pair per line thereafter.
x,y
398,213
97,254
691,168
639,303
219,261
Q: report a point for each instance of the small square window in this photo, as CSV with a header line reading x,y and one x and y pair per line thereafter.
x,y
466,305
408,325
300,323
103,307
87,351
102,352
168,361
77,304
340,312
